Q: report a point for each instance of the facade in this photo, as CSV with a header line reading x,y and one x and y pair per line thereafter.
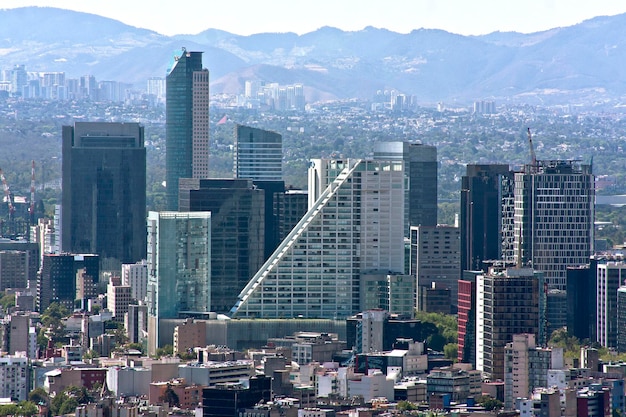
x,y
554,215
435,258
481,214
179,266
466,318
420,170
526,367
104,190
610,276
136,276
186,123
434,299
15,377
32,250
621,319
390,292
509,301
458,383
118,298
258,154
189,335
582,300
289,207
211,373
136,323
237,232
228,399
57,282
354,227
128,382
14,271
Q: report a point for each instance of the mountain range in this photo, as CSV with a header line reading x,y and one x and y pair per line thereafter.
x,y
583,63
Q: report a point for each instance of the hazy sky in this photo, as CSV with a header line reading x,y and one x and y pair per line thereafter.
x,y
245,17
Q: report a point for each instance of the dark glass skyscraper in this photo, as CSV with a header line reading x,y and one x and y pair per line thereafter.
x,y
481,214
187,123
104,190
237,232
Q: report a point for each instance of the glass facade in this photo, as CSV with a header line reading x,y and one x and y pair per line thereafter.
x,y
258,154
104,190
179,263
187,123
354,227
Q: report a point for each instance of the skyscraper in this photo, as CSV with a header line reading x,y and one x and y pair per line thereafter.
x,y
237,232
420,169
186,123
482,197
104,190
179,266
554,215
258,154
354,227
509,301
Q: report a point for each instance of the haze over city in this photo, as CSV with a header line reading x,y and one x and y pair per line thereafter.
x,y
244,17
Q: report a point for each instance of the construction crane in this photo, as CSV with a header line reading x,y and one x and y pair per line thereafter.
x,y
533,157
7,195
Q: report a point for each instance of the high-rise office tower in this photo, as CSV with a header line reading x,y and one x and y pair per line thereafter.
x,y
179,266
258,154
435,258
482,201
354,227
554,215
237,232
581,300
509,301
610,276
104,190
186,123
420,169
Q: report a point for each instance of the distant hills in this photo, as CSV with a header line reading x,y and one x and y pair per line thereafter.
x,y
581,63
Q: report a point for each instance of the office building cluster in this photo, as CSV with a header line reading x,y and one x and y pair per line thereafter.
x,y
321,285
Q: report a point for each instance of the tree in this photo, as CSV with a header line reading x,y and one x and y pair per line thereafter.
x,y
166,350
170,397
38,396
451,350
406,406
489,403
7,301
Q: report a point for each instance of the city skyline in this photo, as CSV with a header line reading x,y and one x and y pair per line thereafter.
x,y
466,18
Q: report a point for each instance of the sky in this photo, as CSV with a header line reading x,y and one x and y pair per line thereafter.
x,y
245,17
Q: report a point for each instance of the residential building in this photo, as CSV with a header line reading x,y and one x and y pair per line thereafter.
x,y
186,123
128,381
354,227
118,298
508,301
104,191
420,171
526,367
15,377
136,276
372,385
179,267
189,335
